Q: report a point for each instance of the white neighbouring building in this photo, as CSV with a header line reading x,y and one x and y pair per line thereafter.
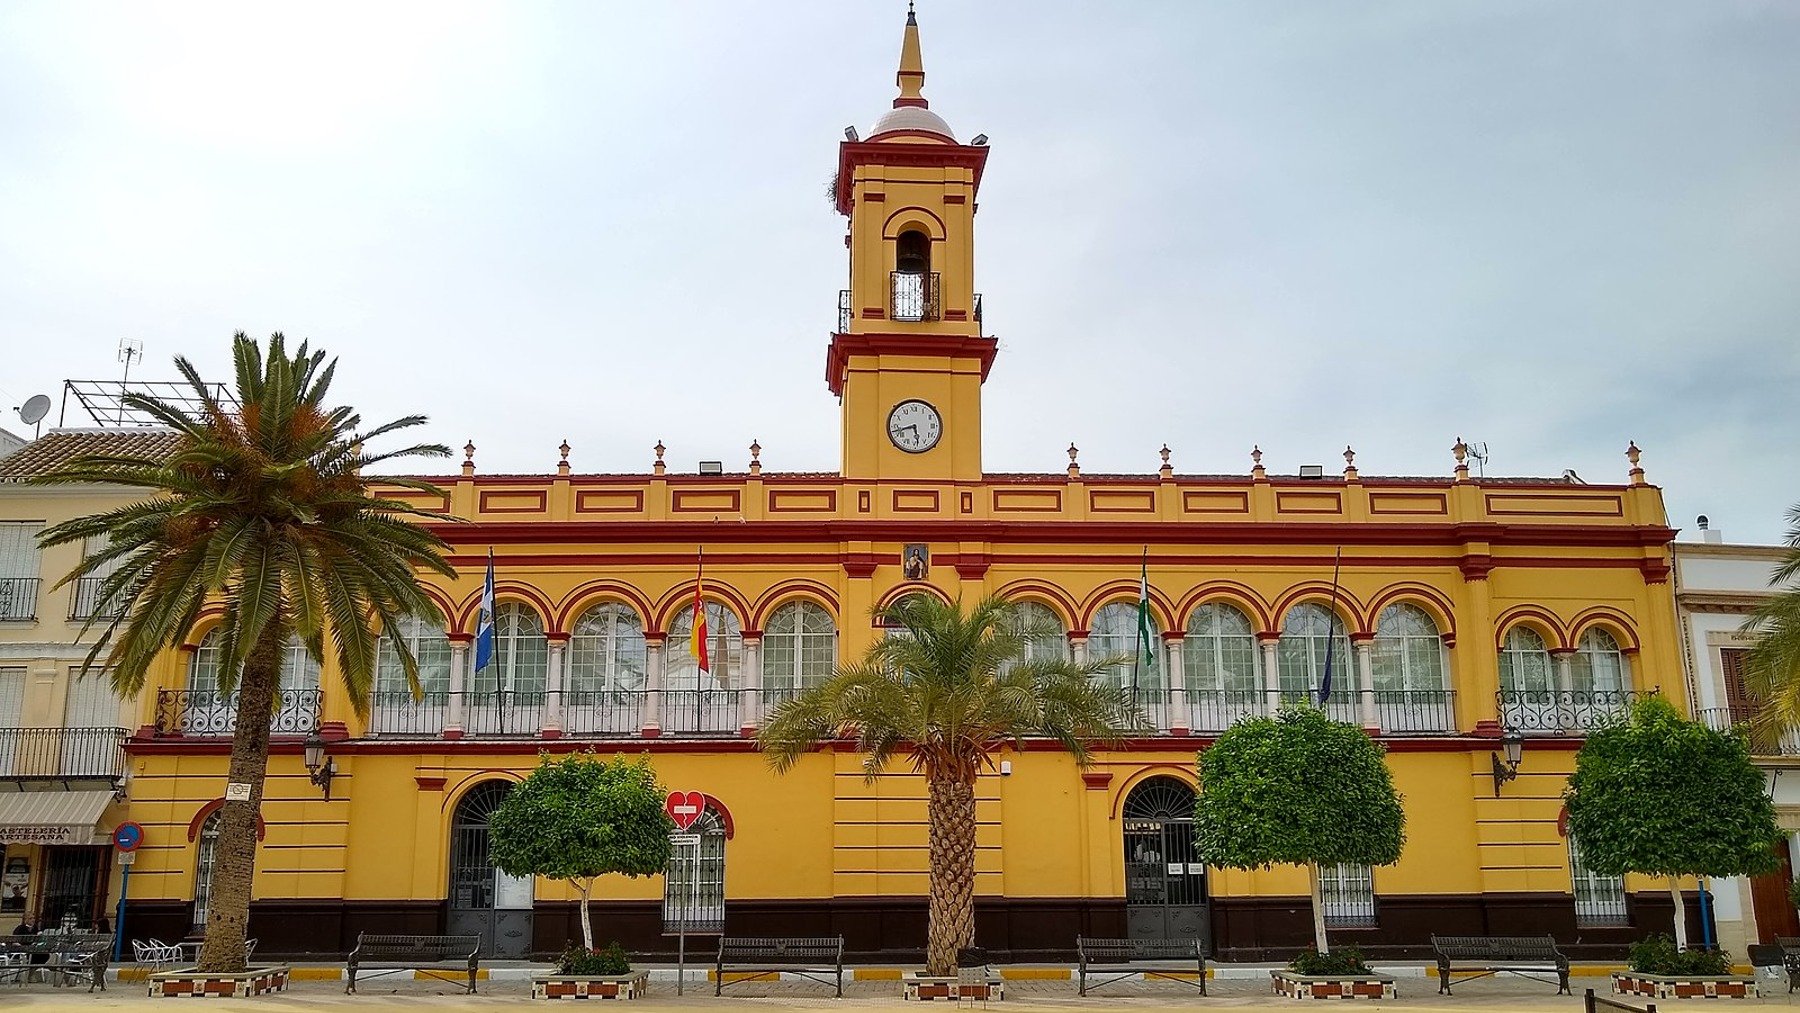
x,y
1717,585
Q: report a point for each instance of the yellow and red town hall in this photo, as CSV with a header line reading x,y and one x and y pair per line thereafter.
x,y
1467,607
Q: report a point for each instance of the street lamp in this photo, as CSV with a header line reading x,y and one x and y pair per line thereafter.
x,y
1506,770
322,768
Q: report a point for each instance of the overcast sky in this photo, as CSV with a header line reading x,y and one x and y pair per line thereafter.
x,y
1549,227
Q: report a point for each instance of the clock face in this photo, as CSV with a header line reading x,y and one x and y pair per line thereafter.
x,y
914,426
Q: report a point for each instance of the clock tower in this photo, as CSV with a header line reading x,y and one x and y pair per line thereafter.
x,y
909,357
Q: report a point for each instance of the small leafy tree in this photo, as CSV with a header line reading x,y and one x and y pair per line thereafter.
x,y
579,818
1664,796
1297,789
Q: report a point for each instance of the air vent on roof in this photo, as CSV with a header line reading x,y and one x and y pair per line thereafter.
x,y
1312,471
712,467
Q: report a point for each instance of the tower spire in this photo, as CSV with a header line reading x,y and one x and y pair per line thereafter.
x,y
911,76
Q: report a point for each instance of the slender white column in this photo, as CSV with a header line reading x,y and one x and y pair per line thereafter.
x,y
1272,673
553,684
1365,668
1178,722
1078,649
652,725
750,694
459,664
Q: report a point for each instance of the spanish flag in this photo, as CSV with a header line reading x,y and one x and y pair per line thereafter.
x,y
697,634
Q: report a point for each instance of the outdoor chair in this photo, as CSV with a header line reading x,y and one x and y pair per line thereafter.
x,y
156,953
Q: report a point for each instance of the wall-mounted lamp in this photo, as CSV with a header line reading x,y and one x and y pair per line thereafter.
x,y
322,768
1506,770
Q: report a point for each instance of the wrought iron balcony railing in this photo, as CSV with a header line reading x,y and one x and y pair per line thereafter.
x,y
18,598
85,602
62,753
914,296
211,714
1214,710
1726,718
699,711
1561,711
845,313
1416,711
1345,703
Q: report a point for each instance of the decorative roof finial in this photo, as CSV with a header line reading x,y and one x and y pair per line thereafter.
x,y
1256,467
1349,464
1166,471
755,457
911,76
468,467
1461,450
659,467
1632,453
1074,468
564,449
562,466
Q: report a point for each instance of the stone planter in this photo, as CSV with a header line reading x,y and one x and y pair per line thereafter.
x,y
589,986
1333,986
1689,986
191,984
924,987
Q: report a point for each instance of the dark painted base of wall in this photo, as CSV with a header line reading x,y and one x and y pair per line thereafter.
x,y
1014,930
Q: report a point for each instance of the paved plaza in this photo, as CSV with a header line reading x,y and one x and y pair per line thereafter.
x,y
1415,994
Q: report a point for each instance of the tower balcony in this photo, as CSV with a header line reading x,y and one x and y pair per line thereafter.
x,y
913,297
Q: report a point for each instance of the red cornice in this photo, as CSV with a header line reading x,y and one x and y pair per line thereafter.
x,y
843,346
854,153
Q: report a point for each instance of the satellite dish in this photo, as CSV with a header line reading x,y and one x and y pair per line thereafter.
x,y
35,408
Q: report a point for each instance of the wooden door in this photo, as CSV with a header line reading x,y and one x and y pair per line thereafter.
x,y
1769,901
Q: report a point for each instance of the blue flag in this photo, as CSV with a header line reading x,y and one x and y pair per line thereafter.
x,y
484,623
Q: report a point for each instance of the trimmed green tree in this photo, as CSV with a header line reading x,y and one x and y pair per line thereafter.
x,y
579,818
1660,795
1297,789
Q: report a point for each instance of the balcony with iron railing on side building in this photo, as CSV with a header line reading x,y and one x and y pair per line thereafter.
x,y
18,599
62,754
85,600
1741,716
201,713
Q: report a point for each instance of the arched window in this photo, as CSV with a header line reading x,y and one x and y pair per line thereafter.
x,y
1309,634
1599,667
521,662
694,883
607,652
1114,633
1599,899
209,710
914,295
298,670
1525,663
912,252
208,846
724,649
1408,651
430,646
1045,637
895,630
799,649
1219,654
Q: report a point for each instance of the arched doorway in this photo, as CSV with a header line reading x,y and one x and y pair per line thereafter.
x,y
484,901
1165,879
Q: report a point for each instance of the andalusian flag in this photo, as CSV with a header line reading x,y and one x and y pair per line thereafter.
x,y
697,634
1146,636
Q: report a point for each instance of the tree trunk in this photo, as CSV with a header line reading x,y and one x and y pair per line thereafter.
x,y
1680,913
950,813
234,858
586,886
1318,909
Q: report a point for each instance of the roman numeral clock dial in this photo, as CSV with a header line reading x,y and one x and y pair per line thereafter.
x,y
914,426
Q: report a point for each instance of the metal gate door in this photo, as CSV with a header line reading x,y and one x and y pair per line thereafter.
x,y
484,901
1165,878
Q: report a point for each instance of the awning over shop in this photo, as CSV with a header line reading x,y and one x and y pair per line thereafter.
x,y
52,817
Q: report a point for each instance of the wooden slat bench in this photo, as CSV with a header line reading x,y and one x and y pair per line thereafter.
x,y
71,957
1173,959
811,957
387,954
1479,956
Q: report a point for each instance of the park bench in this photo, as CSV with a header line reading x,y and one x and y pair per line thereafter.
x,y
1479,956
62,957
387,954
811,957
1173,959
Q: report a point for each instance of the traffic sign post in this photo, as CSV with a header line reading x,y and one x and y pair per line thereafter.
x,y
127,837
685,807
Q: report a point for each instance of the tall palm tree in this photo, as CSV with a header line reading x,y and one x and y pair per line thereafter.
x,y
945,689
1772,672
262,511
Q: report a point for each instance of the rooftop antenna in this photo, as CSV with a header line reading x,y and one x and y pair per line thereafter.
x,y
130,350
1479,452
32,412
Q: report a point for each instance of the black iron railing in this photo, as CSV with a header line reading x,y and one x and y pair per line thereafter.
x,y
602,712
845,313
1344,704
62,752
1561,711
86,601
1214,710
914,296
699,711
394,713
499,713
18,598
978,328
209,713
1416,711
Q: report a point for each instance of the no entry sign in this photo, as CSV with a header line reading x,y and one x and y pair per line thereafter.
x,y
685,807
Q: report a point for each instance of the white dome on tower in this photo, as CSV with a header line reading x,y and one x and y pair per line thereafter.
x,y
912,118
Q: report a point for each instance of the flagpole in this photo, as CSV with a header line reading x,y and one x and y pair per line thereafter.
x,y
1330,628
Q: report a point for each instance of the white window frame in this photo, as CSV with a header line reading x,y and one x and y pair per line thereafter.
x,y
1347,895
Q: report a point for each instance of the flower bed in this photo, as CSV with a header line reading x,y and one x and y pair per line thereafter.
x,y
1683,986
1295,985
588,986
191,984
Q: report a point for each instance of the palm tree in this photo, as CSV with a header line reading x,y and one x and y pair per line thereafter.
x,y
1772,669
945,689
262,511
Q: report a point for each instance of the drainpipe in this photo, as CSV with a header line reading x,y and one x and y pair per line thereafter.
x,y
1706,925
